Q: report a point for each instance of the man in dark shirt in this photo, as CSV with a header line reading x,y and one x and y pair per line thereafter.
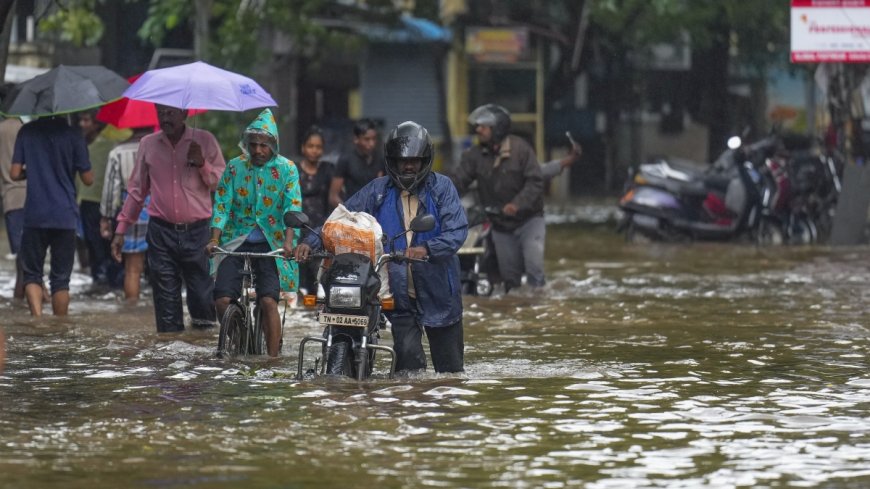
x,y
53,153
359,167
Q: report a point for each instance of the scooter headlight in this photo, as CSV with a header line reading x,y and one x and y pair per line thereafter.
x,y
345,297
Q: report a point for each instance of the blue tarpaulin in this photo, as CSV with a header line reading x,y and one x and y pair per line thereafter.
x,y
412,30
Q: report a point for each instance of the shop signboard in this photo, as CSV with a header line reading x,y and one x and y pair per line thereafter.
x,y
830,31
498,45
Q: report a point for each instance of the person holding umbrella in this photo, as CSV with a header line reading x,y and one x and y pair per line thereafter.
x,y
179,166
52,152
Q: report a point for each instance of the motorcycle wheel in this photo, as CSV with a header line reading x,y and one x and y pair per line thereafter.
x,y
232,338
340,360
483,287
769,233
801,231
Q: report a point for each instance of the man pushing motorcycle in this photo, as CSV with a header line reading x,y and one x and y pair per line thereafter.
x,y
426,294
510,182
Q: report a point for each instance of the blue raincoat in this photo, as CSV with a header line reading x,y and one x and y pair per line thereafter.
x,y
436,282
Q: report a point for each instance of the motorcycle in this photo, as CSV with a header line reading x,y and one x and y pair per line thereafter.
x,y
672,204
815,189
801,189
478,268
349,308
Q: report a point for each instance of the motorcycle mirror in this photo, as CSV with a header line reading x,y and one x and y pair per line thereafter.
x,y
419,224
296,220
422,224
734,142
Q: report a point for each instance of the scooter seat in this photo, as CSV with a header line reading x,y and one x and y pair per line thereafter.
x,y
691,188
717,182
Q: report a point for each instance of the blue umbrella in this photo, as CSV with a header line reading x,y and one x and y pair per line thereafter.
x,y
64,89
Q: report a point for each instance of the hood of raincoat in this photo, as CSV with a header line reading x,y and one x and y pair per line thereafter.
x,y
263,124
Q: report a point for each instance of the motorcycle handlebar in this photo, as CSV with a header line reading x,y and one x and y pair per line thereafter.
x,y
492,211
765,144
319,254
398,258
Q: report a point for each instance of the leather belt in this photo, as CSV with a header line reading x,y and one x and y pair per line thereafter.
x,y
180,227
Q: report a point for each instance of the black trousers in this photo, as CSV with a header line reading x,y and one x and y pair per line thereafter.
x,y
446,345
176,256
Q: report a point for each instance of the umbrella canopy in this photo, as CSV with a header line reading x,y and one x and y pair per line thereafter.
x,y
131,113
64,89
199,85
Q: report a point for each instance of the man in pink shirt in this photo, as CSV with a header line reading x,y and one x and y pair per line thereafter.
x,y
180,167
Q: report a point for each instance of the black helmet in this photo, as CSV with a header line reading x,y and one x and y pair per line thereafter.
x,y
494,116
408,140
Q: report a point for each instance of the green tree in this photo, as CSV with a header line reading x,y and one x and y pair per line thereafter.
x,y
75,22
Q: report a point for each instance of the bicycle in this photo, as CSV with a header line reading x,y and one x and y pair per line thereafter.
x,y
241,331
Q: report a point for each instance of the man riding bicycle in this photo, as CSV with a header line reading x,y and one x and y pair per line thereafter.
x,y
255,191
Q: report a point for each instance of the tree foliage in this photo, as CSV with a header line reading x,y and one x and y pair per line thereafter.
x,y
74,21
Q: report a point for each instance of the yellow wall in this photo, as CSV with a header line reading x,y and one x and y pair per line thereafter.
x,y
354,104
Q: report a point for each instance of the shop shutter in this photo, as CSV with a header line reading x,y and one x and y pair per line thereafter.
x,y
399,83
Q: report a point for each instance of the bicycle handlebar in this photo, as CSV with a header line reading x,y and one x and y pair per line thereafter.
x,y
247,254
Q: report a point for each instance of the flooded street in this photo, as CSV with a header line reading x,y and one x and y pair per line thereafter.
x,y
637,366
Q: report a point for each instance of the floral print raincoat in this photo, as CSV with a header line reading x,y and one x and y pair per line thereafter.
x,y
248,196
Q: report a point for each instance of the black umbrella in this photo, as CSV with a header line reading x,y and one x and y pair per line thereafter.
x,y
64,89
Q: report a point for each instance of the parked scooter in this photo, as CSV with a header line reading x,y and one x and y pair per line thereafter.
x,y
669,204
350,309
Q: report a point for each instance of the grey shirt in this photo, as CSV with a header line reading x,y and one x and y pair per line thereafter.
x,y
14,193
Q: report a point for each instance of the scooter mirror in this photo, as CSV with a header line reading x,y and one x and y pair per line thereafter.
x,y
296,220
421,224
734,142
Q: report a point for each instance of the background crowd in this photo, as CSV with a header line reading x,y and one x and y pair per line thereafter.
x,y
161,198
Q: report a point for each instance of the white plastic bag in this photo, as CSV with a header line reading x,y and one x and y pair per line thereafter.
x,y
356,232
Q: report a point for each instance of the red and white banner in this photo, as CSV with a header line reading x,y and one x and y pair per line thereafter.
x,y
830,31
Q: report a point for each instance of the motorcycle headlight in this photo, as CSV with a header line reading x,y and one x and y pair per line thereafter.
x,y
345,297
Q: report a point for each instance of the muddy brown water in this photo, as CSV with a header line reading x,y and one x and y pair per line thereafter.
x,y
639,366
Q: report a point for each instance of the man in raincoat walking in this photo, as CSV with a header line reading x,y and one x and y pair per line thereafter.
x,y
255,191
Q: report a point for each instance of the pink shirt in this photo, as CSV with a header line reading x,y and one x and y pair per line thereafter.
x,y
180,193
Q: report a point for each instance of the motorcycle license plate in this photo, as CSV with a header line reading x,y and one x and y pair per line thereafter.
x,y
343,320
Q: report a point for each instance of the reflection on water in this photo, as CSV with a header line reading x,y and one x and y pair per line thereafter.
x,y
637,366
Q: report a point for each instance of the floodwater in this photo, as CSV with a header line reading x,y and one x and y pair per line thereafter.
x,y
637,366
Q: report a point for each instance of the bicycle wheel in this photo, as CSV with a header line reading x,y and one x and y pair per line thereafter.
x,y
232,340
258,336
